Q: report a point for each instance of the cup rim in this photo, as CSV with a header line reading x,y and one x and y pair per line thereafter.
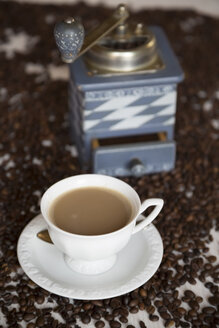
x,y
52,225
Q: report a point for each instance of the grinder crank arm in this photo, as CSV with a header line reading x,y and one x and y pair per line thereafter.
x,y
69,35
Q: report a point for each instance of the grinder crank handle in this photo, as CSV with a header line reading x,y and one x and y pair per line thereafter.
x,y
69,34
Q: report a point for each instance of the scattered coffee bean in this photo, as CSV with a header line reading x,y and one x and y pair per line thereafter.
x,y
123,319
184,324
143,292
209,310
115,324
100,324
40,321
31,325
29,316
109,317
133,302
214,300
142,324
133,309
165,315
212,259
194,304
96,315
141,306
153,317
85,318
189,294
169,323
97,303
40,299
150,309
115,303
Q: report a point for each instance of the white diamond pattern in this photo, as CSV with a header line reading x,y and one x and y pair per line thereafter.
x,y
124,113
128,116
135,122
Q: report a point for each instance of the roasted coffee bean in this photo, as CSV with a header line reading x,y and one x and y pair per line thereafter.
x,y
85,318
134,294
209,319
98,303
194,304
133,309
191,280
115,324
151,294
115,303
189,294
87,306
214,289
207,266
40,321
182,280
109,317
99,324
199,299
158,304
29,316
169,323
184,324
142,324
162,308
177,302
141,306
143,292
153,317
150,309
116,312
209,310
124,312
30,309
212,259
40,299
175,294
192,313
165,315
208,284
31,325
147,301
125,300
123,319
181,310
96,315
214,300
133,302
69,307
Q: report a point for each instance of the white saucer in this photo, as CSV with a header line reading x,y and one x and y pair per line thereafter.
x,y
44,264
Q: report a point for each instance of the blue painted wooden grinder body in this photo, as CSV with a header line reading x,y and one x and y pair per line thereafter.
x,y
123,123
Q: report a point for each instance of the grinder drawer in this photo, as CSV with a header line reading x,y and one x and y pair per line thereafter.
x,y
133,159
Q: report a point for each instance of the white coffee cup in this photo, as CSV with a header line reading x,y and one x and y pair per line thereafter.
x,y
96,253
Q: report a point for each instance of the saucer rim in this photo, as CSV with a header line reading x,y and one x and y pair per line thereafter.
x,y
42,280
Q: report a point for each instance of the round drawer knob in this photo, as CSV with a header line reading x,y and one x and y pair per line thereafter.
x,y
137,167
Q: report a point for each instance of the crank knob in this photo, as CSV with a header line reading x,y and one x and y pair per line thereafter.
x,y
69,37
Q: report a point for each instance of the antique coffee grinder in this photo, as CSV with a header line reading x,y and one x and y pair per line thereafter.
x,y
122,95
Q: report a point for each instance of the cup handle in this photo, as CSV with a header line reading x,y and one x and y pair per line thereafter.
x,y
158,203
